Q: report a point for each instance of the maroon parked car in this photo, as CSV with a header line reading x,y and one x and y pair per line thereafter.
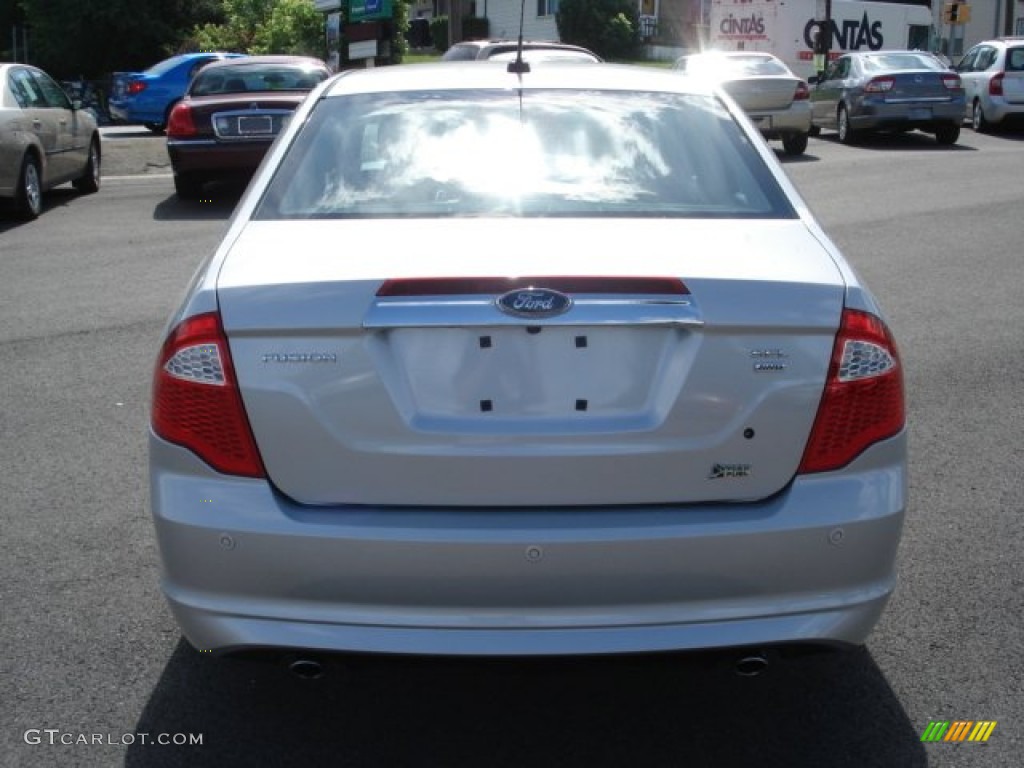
x,y
231,113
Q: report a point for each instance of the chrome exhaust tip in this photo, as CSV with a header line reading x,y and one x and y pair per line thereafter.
x,y
306,669
751,665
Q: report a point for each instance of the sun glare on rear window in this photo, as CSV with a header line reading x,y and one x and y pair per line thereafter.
x,y
536,153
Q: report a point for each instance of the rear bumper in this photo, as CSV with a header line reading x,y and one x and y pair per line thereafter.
x,y
997,109
244,567
879,115
211,158
775,125
127,112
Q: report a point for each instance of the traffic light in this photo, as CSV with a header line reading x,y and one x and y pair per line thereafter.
x,y
956,13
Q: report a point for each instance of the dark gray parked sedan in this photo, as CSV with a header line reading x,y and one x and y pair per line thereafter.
x,y
889,91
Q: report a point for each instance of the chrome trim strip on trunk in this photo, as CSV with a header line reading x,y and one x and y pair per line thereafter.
x,y
481,312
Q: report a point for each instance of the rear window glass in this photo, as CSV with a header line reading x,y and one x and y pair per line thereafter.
x,y
889,62
244,78
165,66
461,53
734,66
535,153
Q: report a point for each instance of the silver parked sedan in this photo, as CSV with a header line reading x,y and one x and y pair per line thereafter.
x,y
656,411
45,139
889,91
771,95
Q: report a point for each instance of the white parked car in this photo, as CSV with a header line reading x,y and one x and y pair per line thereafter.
x,y
776,100
545,363
993,76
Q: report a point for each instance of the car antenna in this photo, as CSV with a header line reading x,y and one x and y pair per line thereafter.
x,y
519,66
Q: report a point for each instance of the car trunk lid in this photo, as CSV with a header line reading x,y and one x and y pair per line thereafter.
x,y
252,116
757,94
359,392
918,86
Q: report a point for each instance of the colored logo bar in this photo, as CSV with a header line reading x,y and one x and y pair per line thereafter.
x,y
958,730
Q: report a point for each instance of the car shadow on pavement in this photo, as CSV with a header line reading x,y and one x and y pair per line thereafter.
x,y
218,202
54,198
805,157
881,141
831,710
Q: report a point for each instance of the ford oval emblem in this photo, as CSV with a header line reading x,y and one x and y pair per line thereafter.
x,y
534,303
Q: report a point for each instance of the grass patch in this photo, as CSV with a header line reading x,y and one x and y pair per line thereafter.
x,y
420,58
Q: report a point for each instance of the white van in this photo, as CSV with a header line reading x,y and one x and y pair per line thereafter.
x,y
787,28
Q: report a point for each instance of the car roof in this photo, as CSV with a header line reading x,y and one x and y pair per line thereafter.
x,y
506,44
269,59
494,75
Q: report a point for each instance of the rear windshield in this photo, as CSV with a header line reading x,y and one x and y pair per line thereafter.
x,y
735,66
889,62
534,153
245,78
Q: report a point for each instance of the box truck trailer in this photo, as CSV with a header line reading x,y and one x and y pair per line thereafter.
x,y
788,28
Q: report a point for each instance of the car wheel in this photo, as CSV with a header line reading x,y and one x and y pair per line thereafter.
x,y
947,134
978,121
188,186
846,132
89,181
794,143
28,201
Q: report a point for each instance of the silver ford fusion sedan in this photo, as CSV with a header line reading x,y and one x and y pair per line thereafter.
x,y
544,362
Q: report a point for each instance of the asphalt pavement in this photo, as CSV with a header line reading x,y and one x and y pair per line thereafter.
x,y
131,150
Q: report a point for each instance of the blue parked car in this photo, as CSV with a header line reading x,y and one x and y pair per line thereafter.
x,y
147,97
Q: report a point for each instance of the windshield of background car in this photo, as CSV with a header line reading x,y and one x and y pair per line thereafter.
x,y
530,153
461,53
244,78
889,62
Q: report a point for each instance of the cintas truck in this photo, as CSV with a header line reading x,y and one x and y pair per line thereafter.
x,y
789,28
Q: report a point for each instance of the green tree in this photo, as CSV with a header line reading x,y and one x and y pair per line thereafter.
x,y
610,28
265,26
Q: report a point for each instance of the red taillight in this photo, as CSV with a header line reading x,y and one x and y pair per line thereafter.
x,y
180,122
196,402
136,86
880,84
802,92
863,398
952,82
995,85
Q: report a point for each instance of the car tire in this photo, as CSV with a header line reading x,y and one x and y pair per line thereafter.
x,y
978,121
89,181
846,133
794,143
188,186
947,134
28,199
